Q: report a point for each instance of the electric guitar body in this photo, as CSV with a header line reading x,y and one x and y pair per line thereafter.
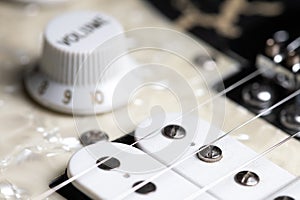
x,y
170,99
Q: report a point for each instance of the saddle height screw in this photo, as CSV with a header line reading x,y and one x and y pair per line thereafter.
x,y
109,164
173,132
210,153
246,178
149,187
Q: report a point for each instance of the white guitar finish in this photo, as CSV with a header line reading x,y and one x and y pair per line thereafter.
x,y
36,143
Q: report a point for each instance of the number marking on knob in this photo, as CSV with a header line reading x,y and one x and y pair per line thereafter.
x,y
67,97
97,97
43,87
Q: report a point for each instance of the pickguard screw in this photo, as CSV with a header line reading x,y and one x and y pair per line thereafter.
x,y
246,178
210,154
92,137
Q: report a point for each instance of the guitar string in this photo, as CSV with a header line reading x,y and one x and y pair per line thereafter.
x,y
73,178
138,186
272,148
245,79
232,130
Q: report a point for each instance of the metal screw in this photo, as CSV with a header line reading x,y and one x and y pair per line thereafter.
x,y
92,137
210,154
109,164
292,59
272,48
290,117
204,61
173,132
281,36
284,198
258,96
246,178
149,187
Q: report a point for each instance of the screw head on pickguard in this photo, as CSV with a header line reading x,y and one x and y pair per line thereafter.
x,y
93,136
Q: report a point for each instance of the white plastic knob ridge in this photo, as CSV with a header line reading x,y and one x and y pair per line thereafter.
x,y
79,57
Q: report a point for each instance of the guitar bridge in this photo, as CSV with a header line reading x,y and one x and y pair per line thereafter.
x,y
279,65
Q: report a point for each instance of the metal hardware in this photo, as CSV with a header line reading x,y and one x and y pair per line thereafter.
x,y
284,198
290,117
111,163
210,154
246,178
259,96
206,62
173,131
93,136
149,187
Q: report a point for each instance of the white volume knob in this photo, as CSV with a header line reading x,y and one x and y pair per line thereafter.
x,y
78,70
